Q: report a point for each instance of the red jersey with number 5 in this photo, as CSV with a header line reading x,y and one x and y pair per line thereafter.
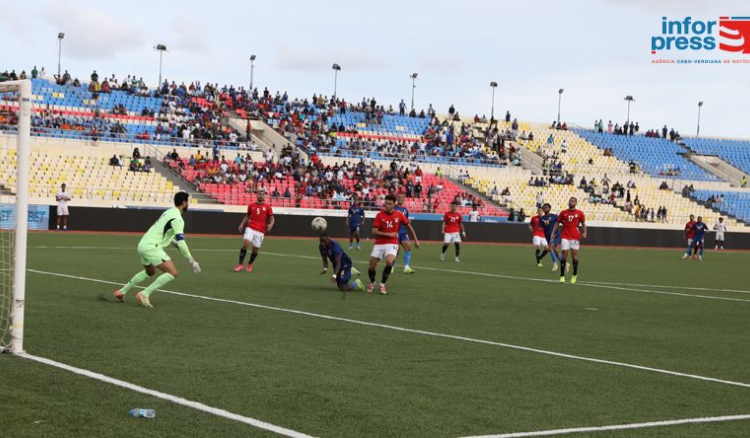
x,y
258,215
570,220
537,226
451,222
389,223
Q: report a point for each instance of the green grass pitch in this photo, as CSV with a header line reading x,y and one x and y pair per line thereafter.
x,y
327,377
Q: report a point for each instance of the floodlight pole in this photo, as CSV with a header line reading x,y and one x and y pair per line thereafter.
x,y
336,69
493,85
60,37
413,87
629,99
252,71
161,48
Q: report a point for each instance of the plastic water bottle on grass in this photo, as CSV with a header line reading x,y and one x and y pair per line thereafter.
x,y
142,413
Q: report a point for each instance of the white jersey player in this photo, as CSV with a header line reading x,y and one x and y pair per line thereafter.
x,y
62,199
720,229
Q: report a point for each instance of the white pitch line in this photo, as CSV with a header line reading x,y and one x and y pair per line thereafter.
x,y
602,285
724,418
168,397
666,286
541,280
422,332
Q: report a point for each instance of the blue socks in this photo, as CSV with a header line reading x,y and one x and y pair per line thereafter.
x,y
687,251
553,256
407,257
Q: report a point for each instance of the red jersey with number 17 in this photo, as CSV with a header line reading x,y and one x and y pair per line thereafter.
x,y
388,223
536,225
258,214
570,220
451,222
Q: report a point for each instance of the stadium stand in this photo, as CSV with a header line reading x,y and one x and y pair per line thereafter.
x,y
88,176
735,152
657,157
328,186
179,116
338,130
575,154
733,203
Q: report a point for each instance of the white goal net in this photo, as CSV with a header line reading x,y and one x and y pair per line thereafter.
x,y
15,112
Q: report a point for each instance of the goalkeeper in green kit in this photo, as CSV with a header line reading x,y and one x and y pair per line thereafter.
x,y
168,230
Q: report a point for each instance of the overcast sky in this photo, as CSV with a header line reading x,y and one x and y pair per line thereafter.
x,y
597,50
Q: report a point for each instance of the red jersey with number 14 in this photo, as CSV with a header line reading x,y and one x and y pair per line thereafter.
x,y
536,225
389,223
451,222
258,214
570,220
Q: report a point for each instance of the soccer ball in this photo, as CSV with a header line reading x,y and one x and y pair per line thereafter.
x,y
319,224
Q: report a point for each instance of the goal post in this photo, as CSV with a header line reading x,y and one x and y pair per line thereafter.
x,y
14,293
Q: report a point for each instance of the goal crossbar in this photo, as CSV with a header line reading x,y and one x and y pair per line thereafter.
x,y
23,88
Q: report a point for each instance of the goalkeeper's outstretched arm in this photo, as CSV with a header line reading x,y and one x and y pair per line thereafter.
x,y
181,245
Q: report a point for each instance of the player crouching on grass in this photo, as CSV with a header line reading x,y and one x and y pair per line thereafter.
x,y
569,220
342,265
385,231
167,230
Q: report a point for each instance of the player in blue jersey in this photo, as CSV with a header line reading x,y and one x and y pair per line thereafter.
x,y
355,220
403,235
342,265
699,234
548,222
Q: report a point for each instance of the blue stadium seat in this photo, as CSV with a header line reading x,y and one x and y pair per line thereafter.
x,y
655,156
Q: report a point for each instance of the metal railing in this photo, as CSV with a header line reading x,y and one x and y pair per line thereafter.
x,y
417,158
93,193
127,138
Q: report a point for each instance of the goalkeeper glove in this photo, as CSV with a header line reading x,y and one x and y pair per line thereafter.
x,y
193,264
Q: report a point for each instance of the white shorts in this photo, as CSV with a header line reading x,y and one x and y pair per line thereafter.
x,y
256,237
720,236
566,244
690,241
539,241
62,210
452,238
381,251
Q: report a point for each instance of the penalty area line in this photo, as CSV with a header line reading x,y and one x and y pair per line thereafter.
x,y
698,420
168,397
422,332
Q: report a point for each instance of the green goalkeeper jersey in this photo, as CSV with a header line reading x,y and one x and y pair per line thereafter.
x,y
162,232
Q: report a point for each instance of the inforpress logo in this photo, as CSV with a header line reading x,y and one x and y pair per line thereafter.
x,y
690,37
685,35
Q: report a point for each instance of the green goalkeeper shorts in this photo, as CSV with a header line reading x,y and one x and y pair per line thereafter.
x,y
152,255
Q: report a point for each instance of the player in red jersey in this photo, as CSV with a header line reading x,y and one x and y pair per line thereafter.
x,y
385,231
688,234
452,223
569,220
538,238
257,222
